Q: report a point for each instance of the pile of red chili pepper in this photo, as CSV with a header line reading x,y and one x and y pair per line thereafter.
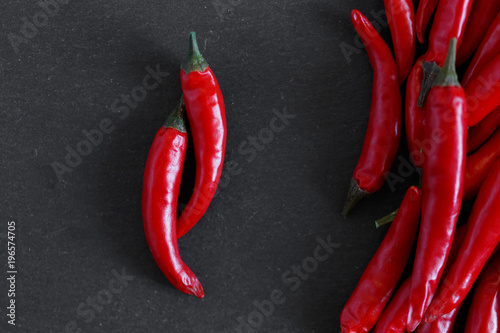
x,y
202,102
452,127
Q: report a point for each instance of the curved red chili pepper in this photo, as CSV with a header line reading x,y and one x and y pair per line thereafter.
x,y
478,134
384,125
424,13
483,92
395,315
384,270
481,240
481,16
484,311
414,115
479,164
442,180
401,19
162,179
487,51
207,120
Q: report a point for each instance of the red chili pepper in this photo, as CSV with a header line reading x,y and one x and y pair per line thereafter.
x,y
487,51
395,315
443,324
401,19
478,134
483,92
442,180
484,311
481,16
424,13
384,126
414,115
479,164
162,179
449,22
481,240
393,318
384,270
207,120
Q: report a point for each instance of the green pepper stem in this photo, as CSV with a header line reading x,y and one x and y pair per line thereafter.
x,y
448,75
386,219
430,72
177,118
353,196
194,60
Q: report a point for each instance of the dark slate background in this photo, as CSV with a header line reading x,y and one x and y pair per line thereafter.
x,y
76,232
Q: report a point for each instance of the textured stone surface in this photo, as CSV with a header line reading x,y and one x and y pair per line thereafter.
x,y
282,194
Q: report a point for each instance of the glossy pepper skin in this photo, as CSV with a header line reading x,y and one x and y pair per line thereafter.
x,y
395,315
484,311
478,134
207,120
384,125
487,51
162,179
446,323
478,165
415,115
424,13
449,22
443,324
479,244
393,318
384,270
483,92
402,26
442,182
481,16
